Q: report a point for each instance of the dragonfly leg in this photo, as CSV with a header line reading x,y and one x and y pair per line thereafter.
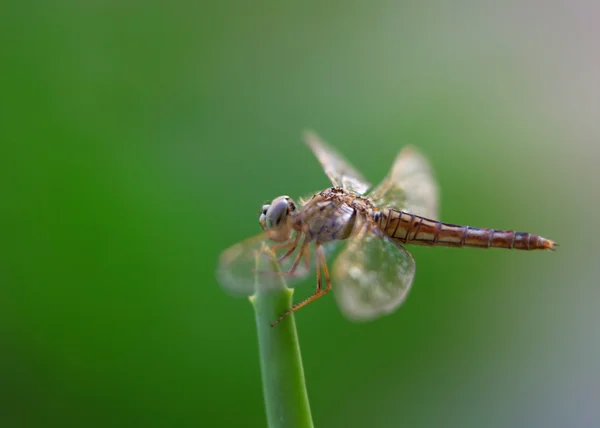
x,y
292,270
321,255
281,246
321,264
303,248
270,251
292,249
307,258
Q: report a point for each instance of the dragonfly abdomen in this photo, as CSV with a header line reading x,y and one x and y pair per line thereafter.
x,y
417,230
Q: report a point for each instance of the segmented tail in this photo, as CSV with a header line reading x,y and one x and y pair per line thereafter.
x,y
417,230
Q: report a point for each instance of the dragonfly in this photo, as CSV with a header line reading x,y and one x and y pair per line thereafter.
x,y
373,272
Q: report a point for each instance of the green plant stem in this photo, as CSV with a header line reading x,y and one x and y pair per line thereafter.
x,y
284,387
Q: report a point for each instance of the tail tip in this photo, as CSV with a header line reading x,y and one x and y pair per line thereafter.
x,y
547,244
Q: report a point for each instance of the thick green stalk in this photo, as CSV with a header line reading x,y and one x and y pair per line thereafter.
x,y
286,399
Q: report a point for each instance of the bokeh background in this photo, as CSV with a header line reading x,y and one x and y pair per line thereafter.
x,y
138,140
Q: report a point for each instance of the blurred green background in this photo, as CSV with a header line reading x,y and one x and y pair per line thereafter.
x,y
138,140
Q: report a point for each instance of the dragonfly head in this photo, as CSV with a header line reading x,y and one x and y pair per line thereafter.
x,y
276,218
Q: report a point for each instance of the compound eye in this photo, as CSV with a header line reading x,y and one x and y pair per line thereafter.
x,y
263,216
276,213
291,204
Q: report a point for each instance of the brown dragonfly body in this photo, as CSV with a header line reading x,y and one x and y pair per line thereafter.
x,y
417,230
332,213
374,272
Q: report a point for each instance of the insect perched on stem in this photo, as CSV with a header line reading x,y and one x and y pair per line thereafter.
x,y
374,272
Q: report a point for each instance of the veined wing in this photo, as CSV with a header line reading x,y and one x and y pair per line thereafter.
x,y
338,169
409,186
249,265
372,275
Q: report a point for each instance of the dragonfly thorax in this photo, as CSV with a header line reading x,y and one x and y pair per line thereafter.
x,y
328,216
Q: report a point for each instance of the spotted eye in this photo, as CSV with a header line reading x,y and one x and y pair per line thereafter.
x,y
274,214
277,213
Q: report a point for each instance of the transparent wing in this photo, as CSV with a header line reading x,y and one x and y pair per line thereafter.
x,y
372,276
338,169
248,265
409,186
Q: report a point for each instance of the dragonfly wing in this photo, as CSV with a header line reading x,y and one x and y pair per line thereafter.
x,y
410,185
338,169
372,275
247,266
